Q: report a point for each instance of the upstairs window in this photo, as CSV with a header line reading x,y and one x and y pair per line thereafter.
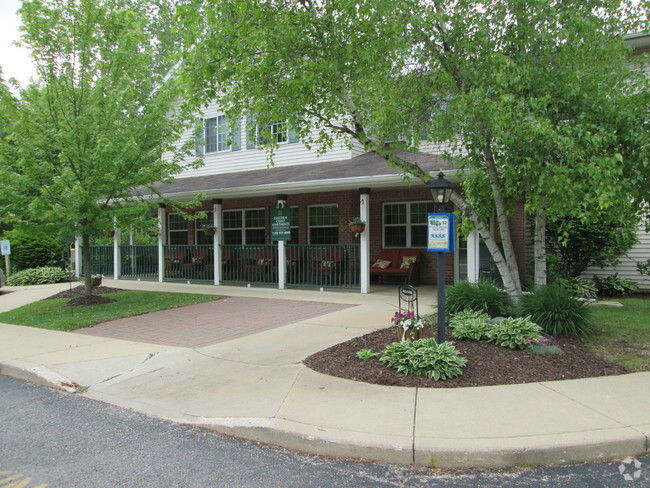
x,y
219,135
278,131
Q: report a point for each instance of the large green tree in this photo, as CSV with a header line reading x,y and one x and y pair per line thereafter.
x,y
95,126
537,99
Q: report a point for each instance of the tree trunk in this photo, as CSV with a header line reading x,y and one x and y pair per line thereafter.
x,y
86,265
540,246
511,286
502,217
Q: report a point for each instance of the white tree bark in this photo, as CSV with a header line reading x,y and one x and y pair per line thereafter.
x,y
540,247
511,286
502,218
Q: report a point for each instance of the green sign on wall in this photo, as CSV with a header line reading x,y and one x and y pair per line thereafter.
x,y
280,224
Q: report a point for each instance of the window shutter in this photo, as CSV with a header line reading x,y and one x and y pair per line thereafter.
x,y
200,147
293,136
236,136
251,132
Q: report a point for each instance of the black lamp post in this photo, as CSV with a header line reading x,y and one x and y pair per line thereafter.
x,y
441,191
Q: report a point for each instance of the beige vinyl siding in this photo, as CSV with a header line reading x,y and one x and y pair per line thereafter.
x,y
627,268
287,154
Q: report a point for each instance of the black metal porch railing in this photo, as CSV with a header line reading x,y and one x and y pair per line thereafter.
x,y
139,262
192,263
327,265
101,260
254,264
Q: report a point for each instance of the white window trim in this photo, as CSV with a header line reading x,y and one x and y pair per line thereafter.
x,y
170,230
243,228
408,224
217,134
309,226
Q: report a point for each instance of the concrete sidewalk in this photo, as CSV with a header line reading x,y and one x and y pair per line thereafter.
x,y
256,387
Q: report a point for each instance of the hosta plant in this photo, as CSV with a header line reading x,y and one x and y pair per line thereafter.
x,y
365,354
469,324
513,332
424,357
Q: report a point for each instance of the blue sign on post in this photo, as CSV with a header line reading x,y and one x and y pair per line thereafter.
x,y
5,246
441,232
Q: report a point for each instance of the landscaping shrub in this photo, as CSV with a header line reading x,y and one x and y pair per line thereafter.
x,y
513,332
483,296
424,357
468,324
613,285
34,250
38,276
579,287
556,311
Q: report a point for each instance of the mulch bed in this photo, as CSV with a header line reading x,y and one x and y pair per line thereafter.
x,y
78,298
487,364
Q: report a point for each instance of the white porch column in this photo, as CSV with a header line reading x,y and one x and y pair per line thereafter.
x,y
132,238
364,214
161,242
77,256
473,241
217,239
282,265
117,257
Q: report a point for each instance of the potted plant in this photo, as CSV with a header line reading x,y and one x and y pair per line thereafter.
x,y
95,279
409,326
209,230
357,225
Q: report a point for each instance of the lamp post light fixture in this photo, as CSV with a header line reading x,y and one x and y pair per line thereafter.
x,y
441,190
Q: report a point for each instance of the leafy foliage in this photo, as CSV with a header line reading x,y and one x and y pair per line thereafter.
x,y
613,285
34,249
469,324
643,267
424,357
94,129
595,241
579,287
557,311
540,98
365,354
513,332
38,276
483,296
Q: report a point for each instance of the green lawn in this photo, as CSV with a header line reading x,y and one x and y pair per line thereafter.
x,y
623,333
53,314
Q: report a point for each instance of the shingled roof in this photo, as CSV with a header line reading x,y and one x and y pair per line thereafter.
x,y
369,169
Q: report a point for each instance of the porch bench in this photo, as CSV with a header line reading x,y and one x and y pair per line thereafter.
x,y
400,263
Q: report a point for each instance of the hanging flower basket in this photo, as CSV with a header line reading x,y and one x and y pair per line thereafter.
x,y
209,230
357,225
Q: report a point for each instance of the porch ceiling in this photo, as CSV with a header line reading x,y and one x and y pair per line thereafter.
x,y
368,170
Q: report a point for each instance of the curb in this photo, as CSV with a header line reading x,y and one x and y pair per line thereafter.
x,y
553,449
38,375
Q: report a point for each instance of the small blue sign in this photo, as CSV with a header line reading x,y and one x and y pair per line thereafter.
x,y
441,232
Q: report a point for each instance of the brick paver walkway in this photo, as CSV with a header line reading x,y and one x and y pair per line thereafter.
x,y
211,322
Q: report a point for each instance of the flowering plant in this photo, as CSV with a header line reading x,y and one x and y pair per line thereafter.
x,y
408,321
542,341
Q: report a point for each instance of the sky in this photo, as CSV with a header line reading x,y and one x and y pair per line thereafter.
x,y
15,62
